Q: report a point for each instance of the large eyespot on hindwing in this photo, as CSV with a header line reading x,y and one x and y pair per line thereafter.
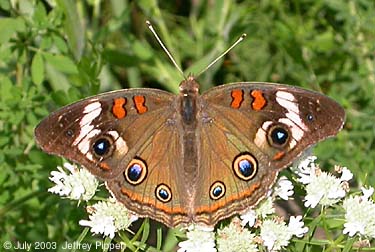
x,y
217,190
245,166
278,135
136,171
163,193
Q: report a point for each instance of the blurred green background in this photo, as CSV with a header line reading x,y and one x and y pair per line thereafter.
x,y
55,52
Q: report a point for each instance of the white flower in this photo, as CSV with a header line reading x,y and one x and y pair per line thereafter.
x,y
321,187
108,217
100,225
360,214
367,193
234,238
324,189
249,217
78,185
263,209
305,169
346,174
284,188
276,234
199,238
296,226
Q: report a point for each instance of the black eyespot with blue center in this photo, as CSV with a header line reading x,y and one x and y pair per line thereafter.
x,y
163,193
101,147
245,166
278,136
136,172
217,190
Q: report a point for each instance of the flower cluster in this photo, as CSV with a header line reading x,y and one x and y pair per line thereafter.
x,y
257,229
274,234
78,185
321,187
108,217
360,214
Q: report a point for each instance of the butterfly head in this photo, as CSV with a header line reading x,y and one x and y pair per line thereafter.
x,y
189,86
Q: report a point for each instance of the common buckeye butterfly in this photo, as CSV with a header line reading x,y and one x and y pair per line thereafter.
x,y
189,158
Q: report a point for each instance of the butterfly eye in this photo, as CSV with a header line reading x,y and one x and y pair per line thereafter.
x,y
136,172
102,147
163,193
245,166
278,136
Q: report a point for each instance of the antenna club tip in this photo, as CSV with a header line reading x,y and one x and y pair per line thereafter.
x,y
243,35
148,23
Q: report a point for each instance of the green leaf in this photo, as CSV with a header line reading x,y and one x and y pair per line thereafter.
x,y
348,245
40,14
143,52
62,63
37,69
74,28
9,27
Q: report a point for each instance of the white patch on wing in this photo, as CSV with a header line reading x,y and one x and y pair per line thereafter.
x,y
89,156
87,131
82,133
297,132
120,143
288,101
285,95
260,136
84,145
92,106
90,115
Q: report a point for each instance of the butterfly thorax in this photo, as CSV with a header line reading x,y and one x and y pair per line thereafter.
x,y
188,106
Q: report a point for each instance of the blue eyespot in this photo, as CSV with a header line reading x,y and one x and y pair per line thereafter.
x,y
163,193
101,146
245,166
217,190
279,136
134,172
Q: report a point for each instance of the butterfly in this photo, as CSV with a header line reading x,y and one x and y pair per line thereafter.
x,y
191,158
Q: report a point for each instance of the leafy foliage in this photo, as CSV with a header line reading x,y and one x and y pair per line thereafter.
x,y
55,52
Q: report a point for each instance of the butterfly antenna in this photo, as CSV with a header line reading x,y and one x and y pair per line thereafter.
x,y
164,48
242,37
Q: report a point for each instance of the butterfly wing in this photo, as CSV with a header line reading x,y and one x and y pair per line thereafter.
x,y
104,133
163,196
248,132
